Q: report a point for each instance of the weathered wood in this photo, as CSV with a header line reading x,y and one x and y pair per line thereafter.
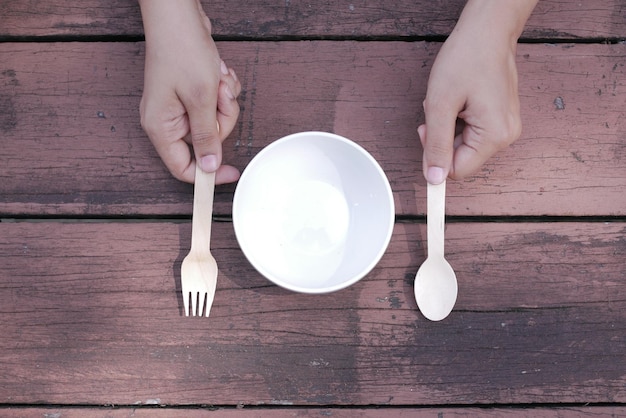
x,y
387,412
72,144
90,314
552,19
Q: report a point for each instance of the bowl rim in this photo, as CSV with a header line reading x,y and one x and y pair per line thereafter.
x,y
388,193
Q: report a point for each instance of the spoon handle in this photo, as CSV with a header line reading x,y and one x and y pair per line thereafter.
x,y
204,186
435,218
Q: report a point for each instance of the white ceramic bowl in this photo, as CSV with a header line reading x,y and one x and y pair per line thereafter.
x,y
313,212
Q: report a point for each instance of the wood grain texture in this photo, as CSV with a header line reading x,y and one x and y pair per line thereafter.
x,y
90,314
90,311
72,144
552,19
247,412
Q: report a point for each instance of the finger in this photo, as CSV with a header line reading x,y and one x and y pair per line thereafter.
x,y
437,137
475,147
226,174
205,137
207,144
237,88
229,77
178,159
234,86
176,155
228,109
468,160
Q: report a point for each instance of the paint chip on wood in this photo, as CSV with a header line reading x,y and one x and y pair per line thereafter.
x,y
559,103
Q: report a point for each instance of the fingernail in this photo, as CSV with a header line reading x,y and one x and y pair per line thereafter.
x,y
421,131
229,93
208,163
223,68
435,175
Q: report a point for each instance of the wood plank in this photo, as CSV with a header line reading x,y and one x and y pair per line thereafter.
x,y
90,314
72,143
552,19
387,412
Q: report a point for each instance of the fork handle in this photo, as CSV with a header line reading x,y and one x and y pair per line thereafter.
x,y
204,187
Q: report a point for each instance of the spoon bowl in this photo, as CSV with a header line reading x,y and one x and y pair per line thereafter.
x,y
436,288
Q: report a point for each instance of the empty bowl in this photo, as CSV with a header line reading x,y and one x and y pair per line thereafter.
x,y
313,212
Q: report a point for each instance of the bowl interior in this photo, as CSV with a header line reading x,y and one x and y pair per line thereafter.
x,y
313,212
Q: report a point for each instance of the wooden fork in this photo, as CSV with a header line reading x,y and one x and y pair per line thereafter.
x,y
198,275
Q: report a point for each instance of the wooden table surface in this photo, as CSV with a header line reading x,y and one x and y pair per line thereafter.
x,y
93,228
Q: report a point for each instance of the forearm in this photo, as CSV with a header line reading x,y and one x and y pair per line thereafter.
x,y
163,18
498,20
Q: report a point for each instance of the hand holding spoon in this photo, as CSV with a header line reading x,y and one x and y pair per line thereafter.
x,y
435,283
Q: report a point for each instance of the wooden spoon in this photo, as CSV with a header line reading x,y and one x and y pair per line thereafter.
x,y
435,283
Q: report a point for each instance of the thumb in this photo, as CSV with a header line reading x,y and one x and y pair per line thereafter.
x,y
437,137
205,136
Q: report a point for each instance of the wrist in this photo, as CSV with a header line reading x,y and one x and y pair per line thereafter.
x,y
499,21
164,17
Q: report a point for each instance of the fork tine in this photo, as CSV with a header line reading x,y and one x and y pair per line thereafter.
x,y
209,303
194,303
202,304
186,296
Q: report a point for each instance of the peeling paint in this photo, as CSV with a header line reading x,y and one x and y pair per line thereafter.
x,y
559,103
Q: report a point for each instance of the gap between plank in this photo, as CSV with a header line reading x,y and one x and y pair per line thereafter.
x,y
296,38
274,407
404,219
